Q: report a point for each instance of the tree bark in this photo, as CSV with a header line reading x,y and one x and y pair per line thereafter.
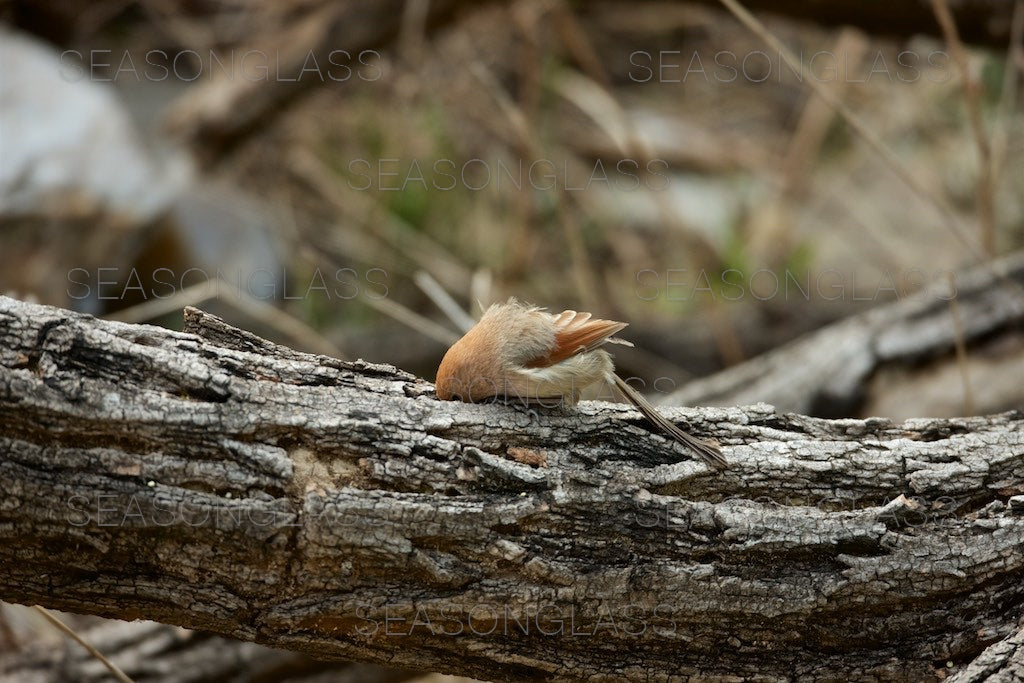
x,y
831,371
1000,662
216,481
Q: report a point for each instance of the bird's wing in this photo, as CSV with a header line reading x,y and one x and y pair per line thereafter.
x,y
578,333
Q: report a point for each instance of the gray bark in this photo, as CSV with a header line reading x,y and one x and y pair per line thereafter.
x,y
216,481
832,370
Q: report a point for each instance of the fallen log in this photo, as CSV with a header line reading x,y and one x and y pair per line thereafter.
x,y
213,480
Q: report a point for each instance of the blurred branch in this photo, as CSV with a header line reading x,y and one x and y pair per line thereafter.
x,y
858,126
221,112
93,652
982,22
972,98
373,234
816,117
827,372
528,141
1012,70
413,320
433,289
287,325
960,344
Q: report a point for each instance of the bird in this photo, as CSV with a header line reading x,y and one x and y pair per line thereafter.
x,y
524,352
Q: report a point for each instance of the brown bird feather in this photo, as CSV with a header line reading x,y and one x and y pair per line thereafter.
x,y
535,356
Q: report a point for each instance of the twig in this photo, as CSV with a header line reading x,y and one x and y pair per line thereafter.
x,y
578,43
1008,97
594,98
582,270
874,141
157,307
289,326
481,286
425,326
367,232
433,289
972,97
961,348
812,127
859,127
8,641
114,669
413,29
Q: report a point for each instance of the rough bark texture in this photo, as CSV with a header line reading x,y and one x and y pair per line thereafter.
x,y
217,481
1000,662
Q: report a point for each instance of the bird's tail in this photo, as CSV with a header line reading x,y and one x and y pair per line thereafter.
x,y
710,454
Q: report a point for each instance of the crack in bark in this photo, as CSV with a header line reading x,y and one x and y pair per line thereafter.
x,y
300,513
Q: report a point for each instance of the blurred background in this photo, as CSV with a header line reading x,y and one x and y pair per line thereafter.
x,y
359,178
330,174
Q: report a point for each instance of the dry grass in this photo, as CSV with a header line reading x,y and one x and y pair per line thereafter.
x,y
793,173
